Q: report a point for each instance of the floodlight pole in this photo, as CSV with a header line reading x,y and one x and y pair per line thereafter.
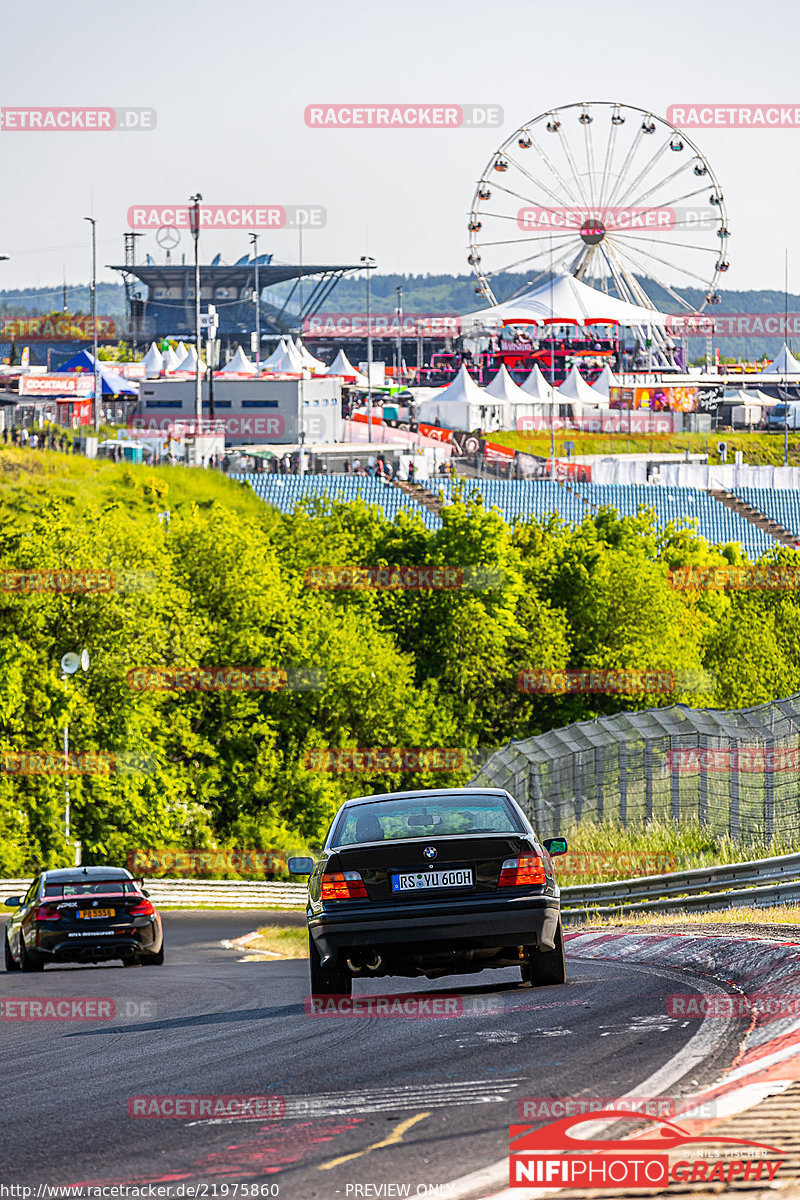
x,y
785,358
399,336
95,397
254,240
369,263
552,374
198,381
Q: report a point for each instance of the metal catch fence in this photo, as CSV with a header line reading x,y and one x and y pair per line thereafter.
x,y
736,771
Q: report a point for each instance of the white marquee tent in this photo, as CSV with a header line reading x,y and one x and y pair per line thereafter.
x,y
189,362
171,360
568,299
784,364
313,364
605,381
153,362
239,365
461,405
341,365
537,388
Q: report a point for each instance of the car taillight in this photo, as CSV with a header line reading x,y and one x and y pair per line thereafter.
x,y
525,871
345,886
45,913
143,908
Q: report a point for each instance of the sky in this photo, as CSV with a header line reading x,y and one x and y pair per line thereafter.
x,y
231,81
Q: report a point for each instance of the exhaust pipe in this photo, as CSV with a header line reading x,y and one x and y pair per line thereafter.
x,y
364,960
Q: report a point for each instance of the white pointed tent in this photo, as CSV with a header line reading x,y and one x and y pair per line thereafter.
x,y
575,387
285,358
180,353
605,381
461,405
171,359
313,364
504,391
538,389
189,362
341,365
784,364
239,365
568,299
153,362
276,358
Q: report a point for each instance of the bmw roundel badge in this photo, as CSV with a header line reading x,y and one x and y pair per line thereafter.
x,y
429,852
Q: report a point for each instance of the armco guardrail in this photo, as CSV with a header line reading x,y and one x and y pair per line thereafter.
x,y
762,882
756,884
196,893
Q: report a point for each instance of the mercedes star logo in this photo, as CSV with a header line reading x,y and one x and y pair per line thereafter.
x,y
429,852
168,237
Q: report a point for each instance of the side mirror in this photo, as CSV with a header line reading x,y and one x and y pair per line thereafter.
x,y
13,902
555,846
301,866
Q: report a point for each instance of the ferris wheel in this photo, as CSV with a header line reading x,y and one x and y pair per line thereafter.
x,y
609,193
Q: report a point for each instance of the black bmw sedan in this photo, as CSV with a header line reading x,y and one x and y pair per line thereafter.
x,y
85,915
432,883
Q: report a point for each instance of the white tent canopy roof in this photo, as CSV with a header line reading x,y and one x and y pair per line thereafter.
x,y
341,365
171,360
153,361
504,388
181,351
784,364
575,387
276,357
315,364
239,365
537,388
567,299
189,362
605,380
463,388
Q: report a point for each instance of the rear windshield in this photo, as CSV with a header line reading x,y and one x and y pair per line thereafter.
x,y
98,887
424,817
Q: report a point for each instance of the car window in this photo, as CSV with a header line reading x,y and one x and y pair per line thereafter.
x,y
424,817
100,887
30,895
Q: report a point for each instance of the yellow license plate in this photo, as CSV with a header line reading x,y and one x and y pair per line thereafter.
x,y
96,912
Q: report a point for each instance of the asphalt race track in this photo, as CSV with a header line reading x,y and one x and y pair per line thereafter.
x,y
441,1091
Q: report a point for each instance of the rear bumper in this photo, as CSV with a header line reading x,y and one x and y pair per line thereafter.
x,y
96,945
481,924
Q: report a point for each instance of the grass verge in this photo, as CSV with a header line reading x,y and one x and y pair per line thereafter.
x,y
784,914
284,941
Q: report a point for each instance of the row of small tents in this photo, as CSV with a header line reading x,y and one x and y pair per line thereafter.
x,y
289,357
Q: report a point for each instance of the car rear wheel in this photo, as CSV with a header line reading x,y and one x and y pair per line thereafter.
x,y
546,967
154,960
11,963
131,960
324,981
29,960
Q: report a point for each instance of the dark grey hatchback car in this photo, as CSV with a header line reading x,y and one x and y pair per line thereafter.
x,y
432,883
84,915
